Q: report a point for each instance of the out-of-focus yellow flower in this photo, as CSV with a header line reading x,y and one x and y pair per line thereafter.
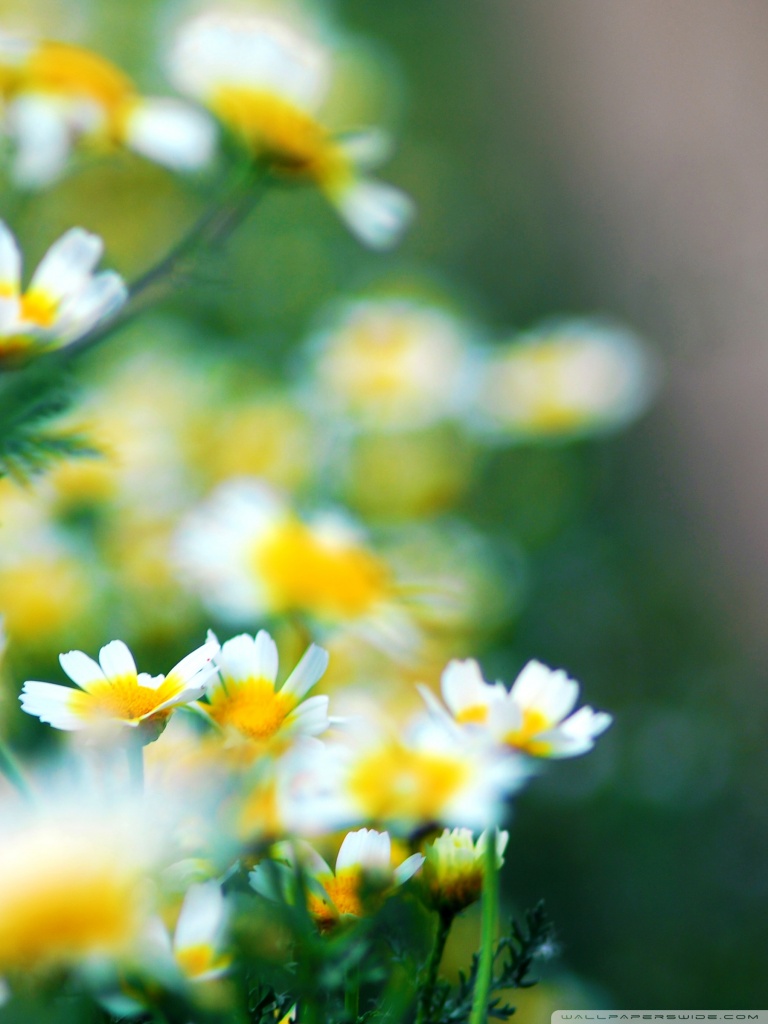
x,y
248,554
394,364
70,891
266,75
64,299
55,95
454,868
246,701
363,876
573,378
533,717
112,691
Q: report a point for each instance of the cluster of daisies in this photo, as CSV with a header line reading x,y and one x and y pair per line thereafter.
x,y
217,773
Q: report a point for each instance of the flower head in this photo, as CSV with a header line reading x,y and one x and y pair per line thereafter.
x,y
532,718
197,939
245,700
63,300
454,868
266,76
364,874
112,692
56,96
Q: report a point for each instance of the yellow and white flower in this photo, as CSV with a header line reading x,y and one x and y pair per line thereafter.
x,y
197,946
572,378
363,875
56,96
454,868
266,76
534,717
394,364
246,702
248,554
420,776
63,300
111,691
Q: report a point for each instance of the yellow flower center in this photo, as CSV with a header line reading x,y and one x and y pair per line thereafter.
x,y
252,707
199,959
305,573
534,722
282,133
476,714
122,698
72,71
38,308
394,782
344,898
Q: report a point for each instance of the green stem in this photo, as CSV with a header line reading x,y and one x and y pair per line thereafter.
x,y
490,912
135,754
352,994
444,922
11,769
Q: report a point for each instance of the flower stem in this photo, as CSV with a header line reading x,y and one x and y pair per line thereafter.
x,y
11,769
352,994
444,922
135,754
490,910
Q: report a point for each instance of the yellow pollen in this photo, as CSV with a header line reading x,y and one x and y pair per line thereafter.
x,y
122,698
395,782
196,960
38,308
282,133
476,714
304,573
534,723
252,707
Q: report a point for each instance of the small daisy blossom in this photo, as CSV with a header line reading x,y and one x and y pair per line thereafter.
x,y
63,300
112,692
532,717
266,77
56,96
423,775
196,947
364,862
246,701
454,868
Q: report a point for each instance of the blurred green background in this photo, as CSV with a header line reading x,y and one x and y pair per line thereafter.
x,y
553,163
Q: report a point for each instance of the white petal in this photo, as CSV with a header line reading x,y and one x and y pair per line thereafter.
x,y
366,149
463,686
68,264
365,848
81,669
202,916
172,133
376,213
116,660
310,718
52,704
198,661
10,315
246,657
10,260
408,868
547,690
308,671
100,298
39,129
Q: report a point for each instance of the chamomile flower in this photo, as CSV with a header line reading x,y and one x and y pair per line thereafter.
x,y
245,701
534,717
412,778
266,75
394,364
57,96
198,939
454,867
248,554
64,298
572,378
111,691
362,877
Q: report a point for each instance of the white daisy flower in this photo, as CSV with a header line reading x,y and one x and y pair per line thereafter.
x,y
245,700
111,691
454,867
534,717
266,76
363,875
64,299
57,96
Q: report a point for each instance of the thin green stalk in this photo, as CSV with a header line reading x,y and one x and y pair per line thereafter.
x,y
444,922
352,994
11,769
135,754
490,912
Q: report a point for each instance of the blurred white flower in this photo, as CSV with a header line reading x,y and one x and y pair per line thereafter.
x,y
266,75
